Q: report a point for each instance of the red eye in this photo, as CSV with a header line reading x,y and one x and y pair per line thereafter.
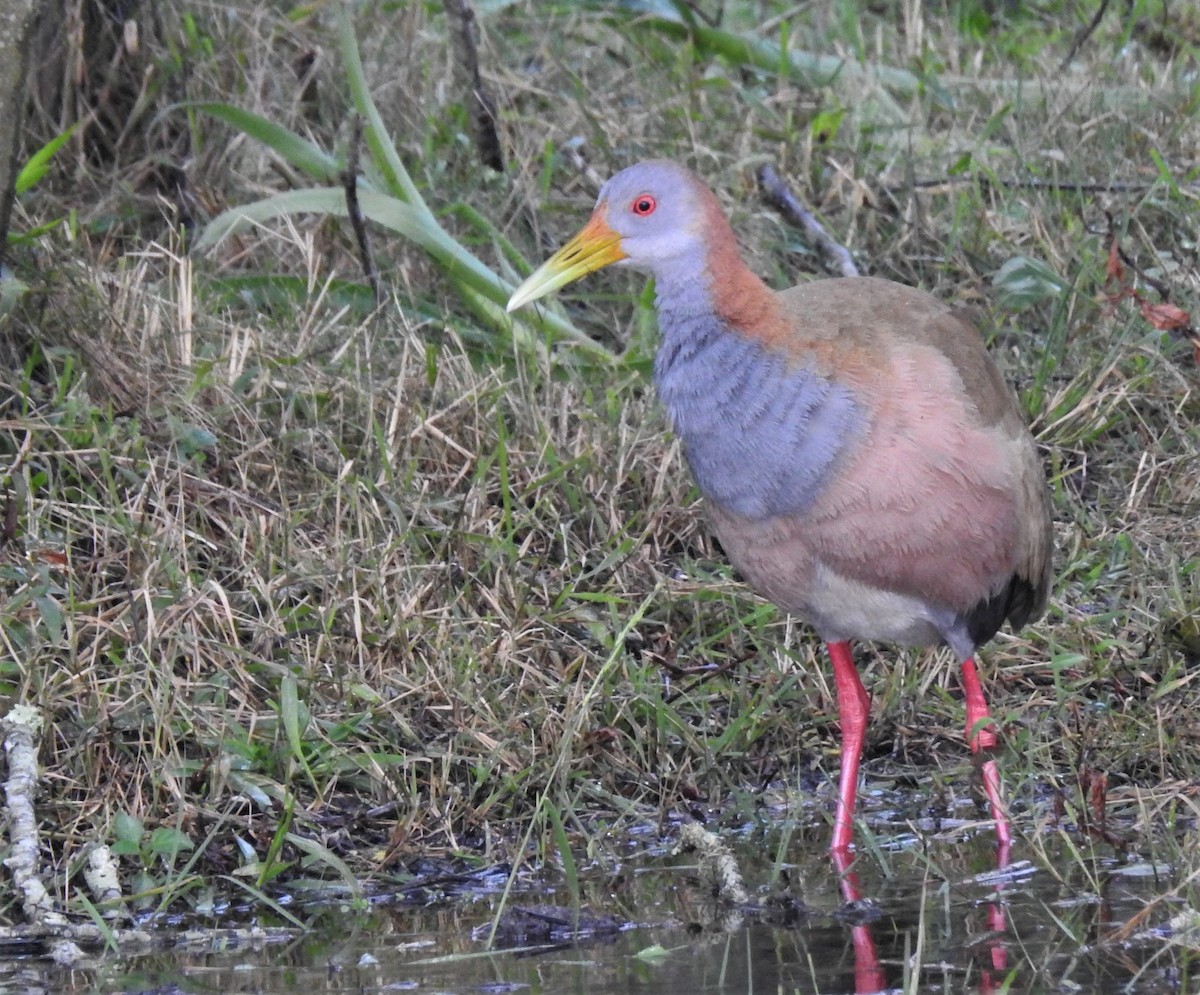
x,y
643,205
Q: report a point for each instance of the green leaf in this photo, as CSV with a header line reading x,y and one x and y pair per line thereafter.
x,y
313,200
268,902
168,842
961,165
471,277
817,69
128,828
39,162
251,789
12,291
191,438
1164,171
100,923
249,857
52,616
654,954
271,867
824,126
1022,282
404,211
383,150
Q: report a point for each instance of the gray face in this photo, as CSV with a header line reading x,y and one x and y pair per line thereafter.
x,y
656,209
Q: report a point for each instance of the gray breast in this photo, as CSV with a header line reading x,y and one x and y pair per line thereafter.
x,y
761,438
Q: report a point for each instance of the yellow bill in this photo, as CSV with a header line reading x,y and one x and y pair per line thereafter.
x,y
597,245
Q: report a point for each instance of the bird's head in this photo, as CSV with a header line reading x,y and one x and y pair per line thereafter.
x,y
655,215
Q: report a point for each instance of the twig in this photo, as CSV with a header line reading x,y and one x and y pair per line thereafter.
x,y
85,936
1111,186
21,727
777,194
707,674
719,875
304,65
354,210
481,106
1078,42
104,881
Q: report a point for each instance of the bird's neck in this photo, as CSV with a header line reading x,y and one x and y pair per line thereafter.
x,y
742,301
762,430
719,284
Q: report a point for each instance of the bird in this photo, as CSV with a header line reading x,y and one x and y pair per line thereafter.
x,y
862,461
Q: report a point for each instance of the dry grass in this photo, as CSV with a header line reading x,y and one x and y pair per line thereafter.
x,y
274,560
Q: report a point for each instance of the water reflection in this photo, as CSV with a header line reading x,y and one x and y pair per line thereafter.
x,y
869,977
937,916
868,974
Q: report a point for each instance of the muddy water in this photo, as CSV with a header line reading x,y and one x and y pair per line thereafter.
x,y
935,916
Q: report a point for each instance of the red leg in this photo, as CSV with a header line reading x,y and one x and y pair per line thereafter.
x,y
981,736
991,977
868,973
854,707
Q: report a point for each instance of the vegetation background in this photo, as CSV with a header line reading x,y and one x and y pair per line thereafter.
x,y
310,588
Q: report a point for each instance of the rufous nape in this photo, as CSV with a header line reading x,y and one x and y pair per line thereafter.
x,y
863,462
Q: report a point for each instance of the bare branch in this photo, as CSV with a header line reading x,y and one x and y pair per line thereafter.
x,y
777,194
480,104
354,211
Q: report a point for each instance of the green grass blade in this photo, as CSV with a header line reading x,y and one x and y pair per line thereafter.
x,y
314,200
266,900
103,926
813,68
559,834
296,150
463,269
405,211
289,711
269,863
383,151
330,859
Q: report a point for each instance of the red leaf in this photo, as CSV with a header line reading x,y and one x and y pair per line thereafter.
x,y
1114,272
1165,317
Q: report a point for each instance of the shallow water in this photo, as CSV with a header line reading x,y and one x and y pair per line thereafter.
x,y
1054,920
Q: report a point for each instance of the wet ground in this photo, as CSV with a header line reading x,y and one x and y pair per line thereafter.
x,y
935,915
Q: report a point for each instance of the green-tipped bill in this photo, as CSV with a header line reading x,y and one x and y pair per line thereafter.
x,y
595,246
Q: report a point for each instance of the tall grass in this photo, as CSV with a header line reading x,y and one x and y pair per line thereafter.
x,y
307,591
